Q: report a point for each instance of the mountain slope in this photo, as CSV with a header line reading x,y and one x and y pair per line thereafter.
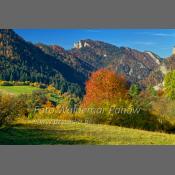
x,y
135,65
21,60
70,59
156,77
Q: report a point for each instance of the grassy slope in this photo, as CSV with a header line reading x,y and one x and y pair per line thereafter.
x,y
33,132
17,90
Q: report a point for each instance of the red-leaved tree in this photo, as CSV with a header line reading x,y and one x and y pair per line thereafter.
x,y
104,86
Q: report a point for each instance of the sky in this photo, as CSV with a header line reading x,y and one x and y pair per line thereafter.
x,y
159,41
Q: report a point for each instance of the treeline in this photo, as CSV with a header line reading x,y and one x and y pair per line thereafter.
x,y
22,83
22,70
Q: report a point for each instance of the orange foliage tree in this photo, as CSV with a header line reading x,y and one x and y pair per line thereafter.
x,y
104,86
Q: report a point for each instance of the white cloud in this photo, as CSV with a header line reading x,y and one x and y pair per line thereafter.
x,y
146,43
164,34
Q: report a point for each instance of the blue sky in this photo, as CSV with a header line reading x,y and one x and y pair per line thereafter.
x,y
160,41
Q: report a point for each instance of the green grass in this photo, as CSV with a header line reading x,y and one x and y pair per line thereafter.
x,y
17,90
35,132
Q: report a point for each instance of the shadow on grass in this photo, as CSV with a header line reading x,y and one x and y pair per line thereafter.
x,y
21,135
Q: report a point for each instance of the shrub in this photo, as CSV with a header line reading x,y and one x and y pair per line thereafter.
x,y
132,113
6,83
28,104
134,90
169,82
19,83
164,108
8,108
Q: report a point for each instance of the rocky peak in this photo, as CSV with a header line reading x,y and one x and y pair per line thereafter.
x,y
156,58
80,44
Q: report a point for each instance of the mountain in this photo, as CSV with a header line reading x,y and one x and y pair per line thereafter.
x,y
21,60
68,58
156,77
135,65
69,69
88,55
169,63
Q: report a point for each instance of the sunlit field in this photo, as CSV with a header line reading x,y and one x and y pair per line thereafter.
x,y
17,90
34,132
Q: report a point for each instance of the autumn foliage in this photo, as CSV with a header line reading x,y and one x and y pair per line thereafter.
x,y
104,85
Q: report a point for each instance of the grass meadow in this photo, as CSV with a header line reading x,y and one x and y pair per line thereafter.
x,y
36,132
17,90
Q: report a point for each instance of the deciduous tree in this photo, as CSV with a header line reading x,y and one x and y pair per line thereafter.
x,y
104,85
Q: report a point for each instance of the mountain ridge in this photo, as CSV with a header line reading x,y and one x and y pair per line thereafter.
x,y
134,64
69,69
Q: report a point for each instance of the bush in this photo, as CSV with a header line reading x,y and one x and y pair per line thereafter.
x,y
28,104
164,108
134,90
132,113
6,83
145,118
20,83
169,82
8,108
